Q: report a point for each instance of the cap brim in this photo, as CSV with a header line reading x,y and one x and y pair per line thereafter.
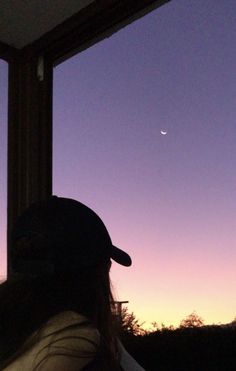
x,y
120,257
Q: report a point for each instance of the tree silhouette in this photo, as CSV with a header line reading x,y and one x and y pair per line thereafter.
x,y
130,324
191,321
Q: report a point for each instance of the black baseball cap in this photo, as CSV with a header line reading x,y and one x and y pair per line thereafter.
x,y
61,234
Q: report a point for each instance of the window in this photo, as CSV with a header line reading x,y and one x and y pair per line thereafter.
x,y
144,133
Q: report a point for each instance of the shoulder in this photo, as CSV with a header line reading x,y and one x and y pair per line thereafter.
x,y
68,338
69,323
66,342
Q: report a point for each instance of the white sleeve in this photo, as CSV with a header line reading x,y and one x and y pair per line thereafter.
x,y
127,362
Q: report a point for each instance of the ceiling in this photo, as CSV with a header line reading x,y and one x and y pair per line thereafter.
x,y
24,21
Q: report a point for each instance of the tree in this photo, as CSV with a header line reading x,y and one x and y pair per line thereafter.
x,y
130,324
160,328
191,321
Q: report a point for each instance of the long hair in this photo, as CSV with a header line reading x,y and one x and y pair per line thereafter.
x,y
27,303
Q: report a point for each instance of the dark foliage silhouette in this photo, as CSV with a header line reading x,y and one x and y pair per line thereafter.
x,y
190,347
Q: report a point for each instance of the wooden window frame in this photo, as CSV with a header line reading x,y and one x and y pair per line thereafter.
x,y
30,95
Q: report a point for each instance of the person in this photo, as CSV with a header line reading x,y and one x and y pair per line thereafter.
x,y
56,309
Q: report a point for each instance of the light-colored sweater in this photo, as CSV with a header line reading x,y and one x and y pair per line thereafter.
x,y
67,342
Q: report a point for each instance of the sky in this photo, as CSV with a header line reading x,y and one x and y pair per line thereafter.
x,y
168,200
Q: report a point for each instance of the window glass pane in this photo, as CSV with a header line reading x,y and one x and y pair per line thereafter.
x,y
144,133
3,167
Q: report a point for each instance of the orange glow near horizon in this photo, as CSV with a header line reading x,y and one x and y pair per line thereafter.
x,y
176,297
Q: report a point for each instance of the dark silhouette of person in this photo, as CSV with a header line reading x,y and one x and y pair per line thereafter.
x,y
56,310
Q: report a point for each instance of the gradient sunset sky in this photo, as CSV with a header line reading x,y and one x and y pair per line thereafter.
x,y
169,200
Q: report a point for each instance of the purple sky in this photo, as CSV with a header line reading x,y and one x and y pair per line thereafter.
x,y
169,200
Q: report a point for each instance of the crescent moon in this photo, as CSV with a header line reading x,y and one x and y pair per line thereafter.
x,y
163,132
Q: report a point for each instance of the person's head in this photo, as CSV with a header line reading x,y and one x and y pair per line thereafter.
x,y
62,252
63,239
61,235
